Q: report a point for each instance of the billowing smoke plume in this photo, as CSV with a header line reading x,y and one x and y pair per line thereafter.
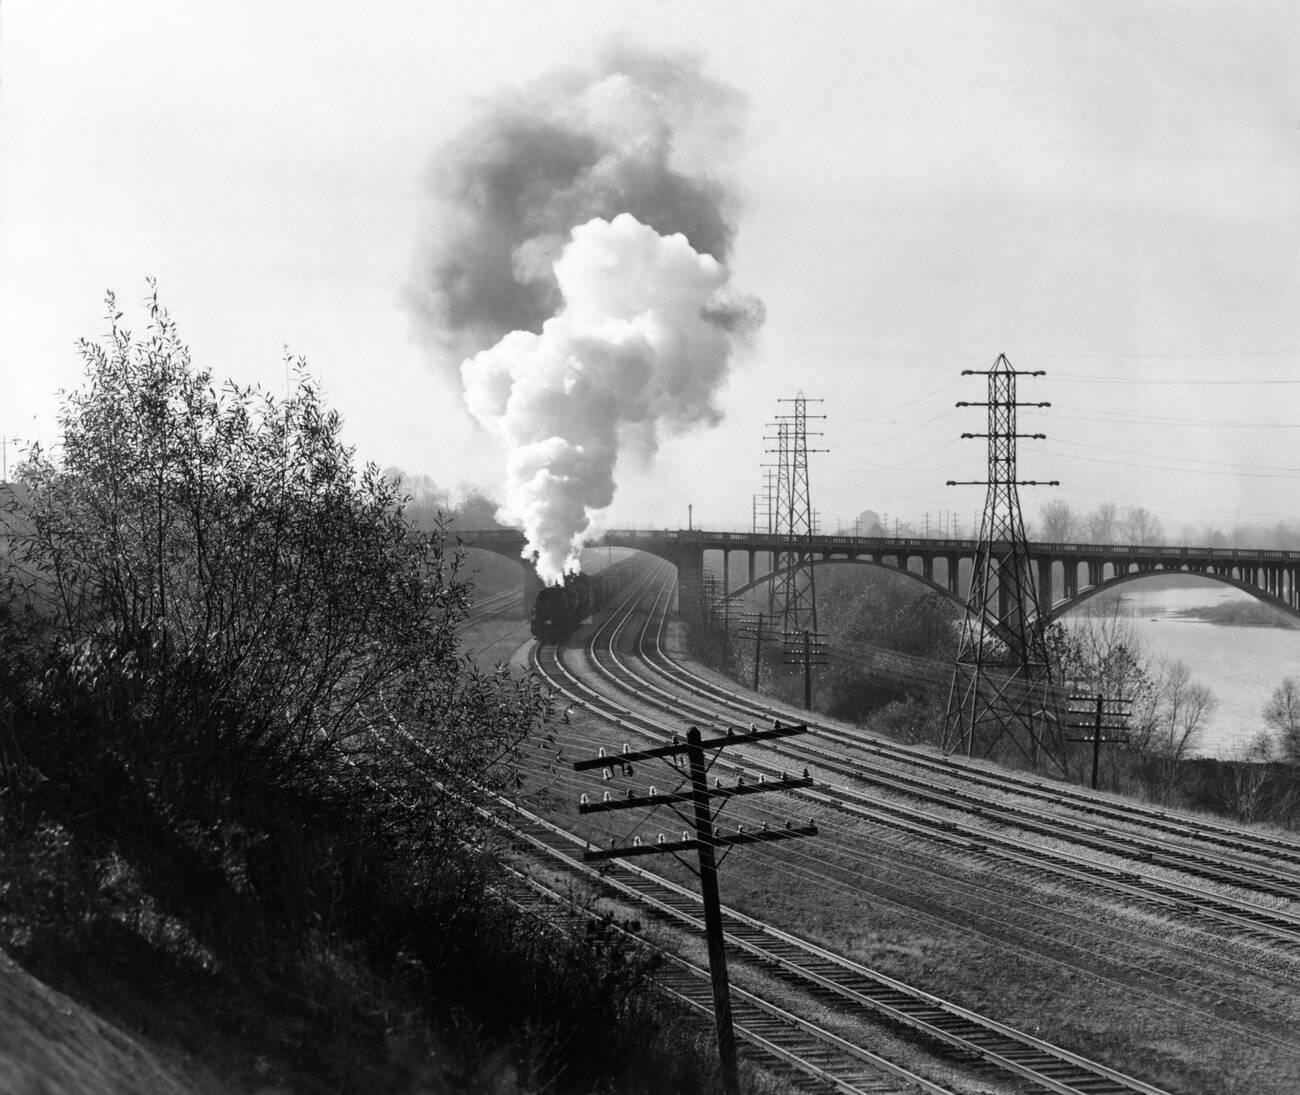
x,y
641,343
579,275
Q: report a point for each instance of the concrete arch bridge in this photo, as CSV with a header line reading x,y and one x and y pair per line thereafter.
x,y
1067,573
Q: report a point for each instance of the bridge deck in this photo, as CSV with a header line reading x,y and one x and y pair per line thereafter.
x,y
703,539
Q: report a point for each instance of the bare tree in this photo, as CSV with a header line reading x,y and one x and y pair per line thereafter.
x,y
1282,713
1141,526
1169,722
1248,767
1101,525
1058,523
1099,653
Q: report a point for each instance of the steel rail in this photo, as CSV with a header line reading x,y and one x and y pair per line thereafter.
x,y
848,984
1220,832
1181,899
809,1049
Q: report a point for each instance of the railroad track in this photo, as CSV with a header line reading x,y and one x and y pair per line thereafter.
x,y
1180,971
498,604
1184,995
830,981
1241,915
1281,853
805,1056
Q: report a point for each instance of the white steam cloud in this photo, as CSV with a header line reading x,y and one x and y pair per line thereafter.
x,y
641,344
577,274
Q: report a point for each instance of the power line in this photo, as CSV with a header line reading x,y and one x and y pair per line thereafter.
x,y
1236,471
1090,414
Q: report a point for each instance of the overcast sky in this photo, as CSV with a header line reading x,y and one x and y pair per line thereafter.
x,y
1107,191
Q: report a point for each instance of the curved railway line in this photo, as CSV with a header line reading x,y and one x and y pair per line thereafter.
x,y
1238,905
1214,877
829,1059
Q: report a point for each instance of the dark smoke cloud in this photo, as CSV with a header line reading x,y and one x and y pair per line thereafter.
x,y
634,133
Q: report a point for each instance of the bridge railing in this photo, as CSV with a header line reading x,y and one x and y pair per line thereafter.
x,y
740,540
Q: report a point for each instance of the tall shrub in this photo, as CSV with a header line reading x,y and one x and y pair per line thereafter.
x,y
249,668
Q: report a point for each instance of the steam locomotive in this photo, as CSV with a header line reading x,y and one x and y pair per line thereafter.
x,y
559,610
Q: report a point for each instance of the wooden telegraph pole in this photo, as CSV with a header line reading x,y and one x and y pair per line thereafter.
x,y
1103,715
807,649
756,624
700,756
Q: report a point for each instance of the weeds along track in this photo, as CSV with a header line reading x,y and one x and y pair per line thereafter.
x,y
834,1060
1248,900
1217,996
803,1055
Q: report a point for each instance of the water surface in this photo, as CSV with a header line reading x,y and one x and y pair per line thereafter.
x,y
1241,665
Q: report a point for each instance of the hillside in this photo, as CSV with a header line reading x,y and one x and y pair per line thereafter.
x,y
51,1045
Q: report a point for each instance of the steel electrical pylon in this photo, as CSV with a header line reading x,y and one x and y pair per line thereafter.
x,y
796,587
793,593
1002,679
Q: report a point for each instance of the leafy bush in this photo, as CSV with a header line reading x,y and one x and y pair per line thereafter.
x,y
244,664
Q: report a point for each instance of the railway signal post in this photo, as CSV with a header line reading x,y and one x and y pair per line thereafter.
x,y
701,754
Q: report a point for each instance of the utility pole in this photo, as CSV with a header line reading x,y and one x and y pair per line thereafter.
x,y
1102,715
717,609
1002,674
770,478
811,650
754,624
769,493
700,756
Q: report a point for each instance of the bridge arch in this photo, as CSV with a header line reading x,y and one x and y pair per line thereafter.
x,y
531,584
1067,604
994,625
836,560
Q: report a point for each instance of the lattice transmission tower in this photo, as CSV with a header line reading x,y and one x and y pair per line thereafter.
x,y
795,591
1002,679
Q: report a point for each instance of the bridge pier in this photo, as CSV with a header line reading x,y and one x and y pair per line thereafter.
x,y
690,583
952,564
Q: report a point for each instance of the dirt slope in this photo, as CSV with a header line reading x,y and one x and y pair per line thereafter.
x,y
50,1045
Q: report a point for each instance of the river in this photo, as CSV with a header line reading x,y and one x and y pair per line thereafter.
x,y
1240,664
